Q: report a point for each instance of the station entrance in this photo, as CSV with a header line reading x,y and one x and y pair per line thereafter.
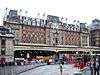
x,y
49,56
45,52
33,56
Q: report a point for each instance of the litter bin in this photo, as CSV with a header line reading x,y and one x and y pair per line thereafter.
x,y
77,73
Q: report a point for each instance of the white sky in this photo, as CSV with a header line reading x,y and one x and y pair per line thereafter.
x,y
84,10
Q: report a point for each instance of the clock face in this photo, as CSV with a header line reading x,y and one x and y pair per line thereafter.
x,y
55,25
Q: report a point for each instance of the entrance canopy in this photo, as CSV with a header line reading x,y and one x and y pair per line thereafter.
x,y
56,48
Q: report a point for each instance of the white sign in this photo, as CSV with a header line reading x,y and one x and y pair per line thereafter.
x,y
28,55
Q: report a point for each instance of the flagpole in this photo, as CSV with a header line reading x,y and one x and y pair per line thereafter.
x,y
20,15
5,16
38,15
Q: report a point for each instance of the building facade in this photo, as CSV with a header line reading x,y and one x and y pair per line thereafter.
x,y
50,31
95,33
6,45
84,36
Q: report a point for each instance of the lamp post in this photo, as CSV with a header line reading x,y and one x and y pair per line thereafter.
x,y
77,56
90,54
85,57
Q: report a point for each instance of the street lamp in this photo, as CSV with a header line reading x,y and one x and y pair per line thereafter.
x,y
85,55
90,54
77,56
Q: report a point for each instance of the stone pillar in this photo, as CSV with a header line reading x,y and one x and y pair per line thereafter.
x,y
48,36
63,38
9,50
20,34
81,43
88,40
0,46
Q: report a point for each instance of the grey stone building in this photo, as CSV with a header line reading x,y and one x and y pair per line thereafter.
x,y
95,33
6,45
84,35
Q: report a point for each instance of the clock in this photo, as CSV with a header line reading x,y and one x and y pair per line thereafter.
x,y
55,25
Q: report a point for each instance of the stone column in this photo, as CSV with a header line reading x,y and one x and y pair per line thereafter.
x,y
9,50
0,46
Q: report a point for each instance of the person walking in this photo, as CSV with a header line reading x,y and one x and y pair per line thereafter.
x,y
81,64
91,67
61,69
96,67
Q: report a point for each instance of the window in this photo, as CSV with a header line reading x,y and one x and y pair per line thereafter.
x,y
3,51
13,42
3,45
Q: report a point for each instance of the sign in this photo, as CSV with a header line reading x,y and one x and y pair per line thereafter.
x,y
51,18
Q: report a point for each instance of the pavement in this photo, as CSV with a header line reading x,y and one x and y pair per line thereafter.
x,y
14,70
86,71
52,70
68,69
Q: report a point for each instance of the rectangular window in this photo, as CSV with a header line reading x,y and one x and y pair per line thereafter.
x,y
3,43
3,51
3,46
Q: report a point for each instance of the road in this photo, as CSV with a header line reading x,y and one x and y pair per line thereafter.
x,y
51,70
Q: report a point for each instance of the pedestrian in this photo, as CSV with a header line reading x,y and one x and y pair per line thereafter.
x,y
81,64
91,66
61,69
96,66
